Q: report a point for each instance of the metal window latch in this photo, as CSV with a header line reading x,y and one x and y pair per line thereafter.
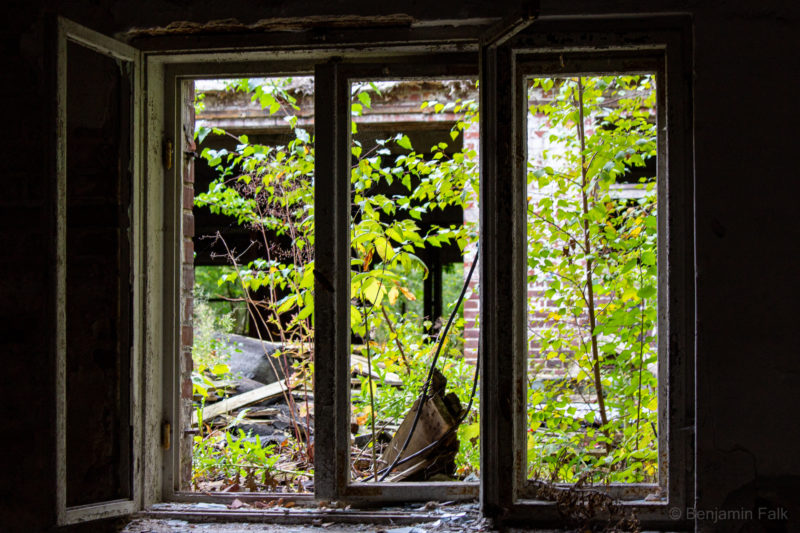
x,y
169,152
166,435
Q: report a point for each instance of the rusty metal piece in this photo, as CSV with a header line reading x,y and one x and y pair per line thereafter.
x,y
169,152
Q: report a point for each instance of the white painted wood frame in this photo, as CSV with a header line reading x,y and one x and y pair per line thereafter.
x,y
70,32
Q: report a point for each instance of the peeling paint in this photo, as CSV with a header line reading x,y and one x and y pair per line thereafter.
x,y
232,25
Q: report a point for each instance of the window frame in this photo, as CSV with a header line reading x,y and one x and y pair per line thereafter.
x,y
172,82
633,61
169,77
332,376
70,32
170,61
556,47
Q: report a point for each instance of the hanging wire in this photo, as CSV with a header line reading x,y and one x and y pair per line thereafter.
x,y
423,397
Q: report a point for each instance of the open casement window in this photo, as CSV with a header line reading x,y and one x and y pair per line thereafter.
x,y
332,193
333,263
98,295
568,49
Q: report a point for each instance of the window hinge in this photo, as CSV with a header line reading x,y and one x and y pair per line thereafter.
x,y
166,435
169,151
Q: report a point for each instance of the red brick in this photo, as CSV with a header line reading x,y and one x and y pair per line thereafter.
x,y
187,335
186,389
187,363
188,251
188,225
188,307
188,277
188,197
188,171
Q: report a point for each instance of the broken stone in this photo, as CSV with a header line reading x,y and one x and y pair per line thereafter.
x,y
362,440
253,359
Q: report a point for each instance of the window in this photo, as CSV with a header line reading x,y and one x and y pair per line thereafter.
x,y
554,48
562,49
98,293
332,333
405,150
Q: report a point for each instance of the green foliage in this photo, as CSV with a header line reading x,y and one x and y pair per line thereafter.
x,y
209,351
234,459
223,298
392,403
594,253
270,189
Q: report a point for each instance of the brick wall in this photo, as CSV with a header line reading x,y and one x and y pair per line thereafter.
x,y
187,297
539,306
472,298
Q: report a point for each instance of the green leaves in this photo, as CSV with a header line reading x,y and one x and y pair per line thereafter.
x,y
648,291
373,290
404,142
269,190
384,249
586,228
220,369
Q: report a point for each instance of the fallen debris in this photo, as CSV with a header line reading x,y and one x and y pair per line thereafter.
x,y
267,392
254,359
437,424
358,365
307,517
273,439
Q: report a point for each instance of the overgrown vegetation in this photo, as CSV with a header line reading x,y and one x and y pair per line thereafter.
x,y
224,300
593,252
209,351
590,249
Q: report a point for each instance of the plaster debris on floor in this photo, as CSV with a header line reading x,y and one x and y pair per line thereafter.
x,y
431,517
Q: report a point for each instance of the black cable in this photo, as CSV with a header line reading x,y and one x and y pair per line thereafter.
x,y
423,397
449,431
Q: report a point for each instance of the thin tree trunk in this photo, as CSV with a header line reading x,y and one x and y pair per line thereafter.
x,y
587,245
641,360
396,340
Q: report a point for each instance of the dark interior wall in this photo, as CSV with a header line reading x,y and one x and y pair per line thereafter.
x,y
748,245
745,113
